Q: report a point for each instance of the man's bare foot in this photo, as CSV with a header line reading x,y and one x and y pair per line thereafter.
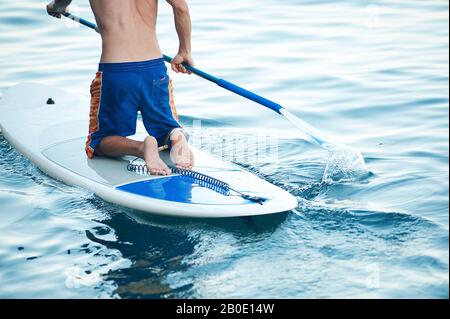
x,y
180,154
154,163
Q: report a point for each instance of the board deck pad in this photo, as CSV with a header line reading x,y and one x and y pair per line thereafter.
x,y
180,189
53,137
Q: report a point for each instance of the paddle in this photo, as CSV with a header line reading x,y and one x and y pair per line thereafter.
x,y
308,130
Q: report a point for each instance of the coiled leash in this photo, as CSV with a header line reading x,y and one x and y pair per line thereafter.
x,y
200,179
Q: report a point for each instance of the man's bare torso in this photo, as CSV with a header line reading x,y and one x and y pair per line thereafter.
x,y
128,29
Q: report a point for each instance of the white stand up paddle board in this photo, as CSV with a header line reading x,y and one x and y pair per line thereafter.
x,y
53,137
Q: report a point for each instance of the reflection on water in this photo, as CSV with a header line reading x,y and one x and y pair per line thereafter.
x,y
166,245
363,72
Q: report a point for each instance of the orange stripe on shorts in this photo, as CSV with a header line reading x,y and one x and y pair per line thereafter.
x,y
96,92
172,102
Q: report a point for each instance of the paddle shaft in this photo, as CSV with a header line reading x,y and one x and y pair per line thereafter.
x,y
220,82
81,21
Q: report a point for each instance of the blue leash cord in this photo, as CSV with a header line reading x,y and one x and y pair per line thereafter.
x,y
200,179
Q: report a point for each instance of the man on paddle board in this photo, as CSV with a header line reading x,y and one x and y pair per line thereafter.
x,y
132,77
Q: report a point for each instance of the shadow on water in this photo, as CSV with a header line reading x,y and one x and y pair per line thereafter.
x,y
157,245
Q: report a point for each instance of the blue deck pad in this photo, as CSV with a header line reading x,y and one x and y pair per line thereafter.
x,y
176,188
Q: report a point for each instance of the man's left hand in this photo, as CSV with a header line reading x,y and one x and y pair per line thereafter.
x,y
56,9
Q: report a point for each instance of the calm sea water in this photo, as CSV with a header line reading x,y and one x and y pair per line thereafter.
x,y
372,74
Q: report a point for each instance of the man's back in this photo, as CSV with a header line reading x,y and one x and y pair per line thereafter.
x,y
128,29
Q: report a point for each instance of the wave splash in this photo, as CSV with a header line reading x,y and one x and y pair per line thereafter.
x,y
344,163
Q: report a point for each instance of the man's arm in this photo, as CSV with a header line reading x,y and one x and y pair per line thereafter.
x,y
183,27
56,7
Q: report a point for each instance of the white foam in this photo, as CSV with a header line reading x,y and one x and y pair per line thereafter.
x,y
344,163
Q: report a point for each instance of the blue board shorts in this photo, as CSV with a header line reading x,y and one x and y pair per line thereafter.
x,y
120,90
